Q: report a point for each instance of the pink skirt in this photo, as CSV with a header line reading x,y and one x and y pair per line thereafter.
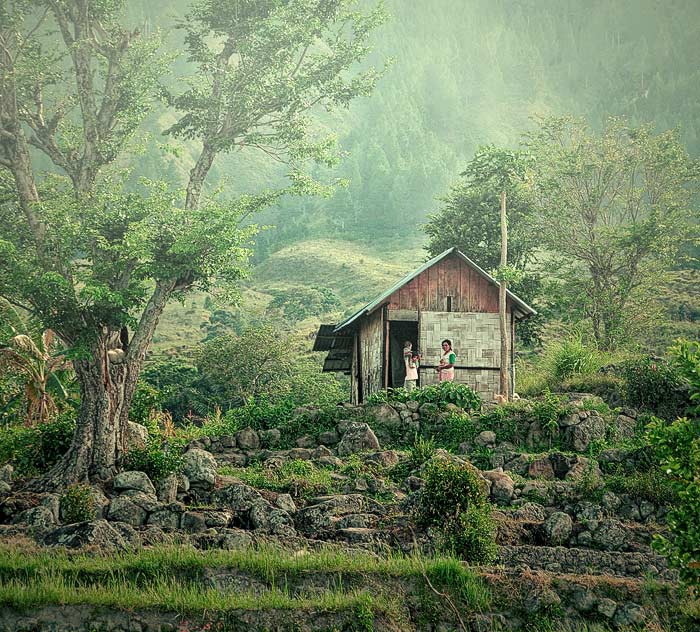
x,y
445,376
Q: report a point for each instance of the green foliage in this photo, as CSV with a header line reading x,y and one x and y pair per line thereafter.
x,y
421,451
299,303
77,504
654,385
33,450
454,504
609,249
678,448
572,357
155,460
653,485
298,478
454,429
471,535
146,399
177,387
686,360
263,363
607,386
439,394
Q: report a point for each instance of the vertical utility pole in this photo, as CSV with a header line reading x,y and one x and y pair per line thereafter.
x,y
502,305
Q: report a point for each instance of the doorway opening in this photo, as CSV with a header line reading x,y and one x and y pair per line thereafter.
x,y
399,332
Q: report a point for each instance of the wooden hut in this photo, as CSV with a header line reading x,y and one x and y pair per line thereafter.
x,y
448,297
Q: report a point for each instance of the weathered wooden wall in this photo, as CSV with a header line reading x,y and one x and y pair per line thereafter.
x,y
371,344
470,291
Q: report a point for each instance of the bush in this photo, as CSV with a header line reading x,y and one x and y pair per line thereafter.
x,y
471,535
654,385
454,504
572,357
77,504
156,462
456,428
37,449
439,394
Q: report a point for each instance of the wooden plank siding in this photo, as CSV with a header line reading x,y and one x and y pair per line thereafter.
x,y
371,351
453,277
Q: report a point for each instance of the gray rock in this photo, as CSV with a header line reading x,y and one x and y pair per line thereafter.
x,y
167,489
321,512
610,535
582,598
357,438
532,512
5,488
53,503
486,438
133,480
307,441
124,509
285,502
330,437
168,518
216,519
541,468
193,522
385,458
199,466
579,436
237,497
98,533
629,614
302,454
248,439
183,484
606,607
38,517
270,438
263,517
502,486
227,441
321,452
6,472
136,436
557,528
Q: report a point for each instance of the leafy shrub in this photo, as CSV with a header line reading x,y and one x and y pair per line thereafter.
x,y
440,394
155,461
37,449
652,485
421,451
654,385
454,503
471,535
456,428
677,446
77,504
449,489
146,399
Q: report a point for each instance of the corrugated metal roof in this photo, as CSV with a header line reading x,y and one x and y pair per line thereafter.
x,y
372,305
327,340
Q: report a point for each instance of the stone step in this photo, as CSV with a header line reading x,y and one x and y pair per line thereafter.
x,y
560,559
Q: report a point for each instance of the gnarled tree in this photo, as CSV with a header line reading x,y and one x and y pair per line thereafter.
x,y
90,258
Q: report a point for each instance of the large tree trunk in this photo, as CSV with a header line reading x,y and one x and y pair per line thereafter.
x,y
99,443
106,390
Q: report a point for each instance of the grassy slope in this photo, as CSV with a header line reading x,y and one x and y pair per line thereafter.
x,y
356,273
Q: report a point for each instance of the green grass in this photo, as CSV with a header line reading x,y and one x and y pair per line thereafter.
x,y
299,478
171,578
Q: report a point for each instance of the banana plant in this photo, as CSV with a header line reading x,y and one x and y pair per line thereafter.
x,y
32,356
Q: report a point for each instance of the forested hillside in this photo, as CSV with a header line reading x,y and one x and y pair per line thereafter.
x,y
466,73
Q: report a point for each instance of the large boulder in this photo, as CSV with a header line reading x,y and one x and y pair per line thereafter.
x,y
132,507
579,431
357,438
98,534
248,439
133,480
388,422
502,486
557,528
199,466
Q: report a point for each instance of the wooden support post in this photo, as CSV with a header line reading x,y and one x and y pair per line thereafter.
x,y
502,307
